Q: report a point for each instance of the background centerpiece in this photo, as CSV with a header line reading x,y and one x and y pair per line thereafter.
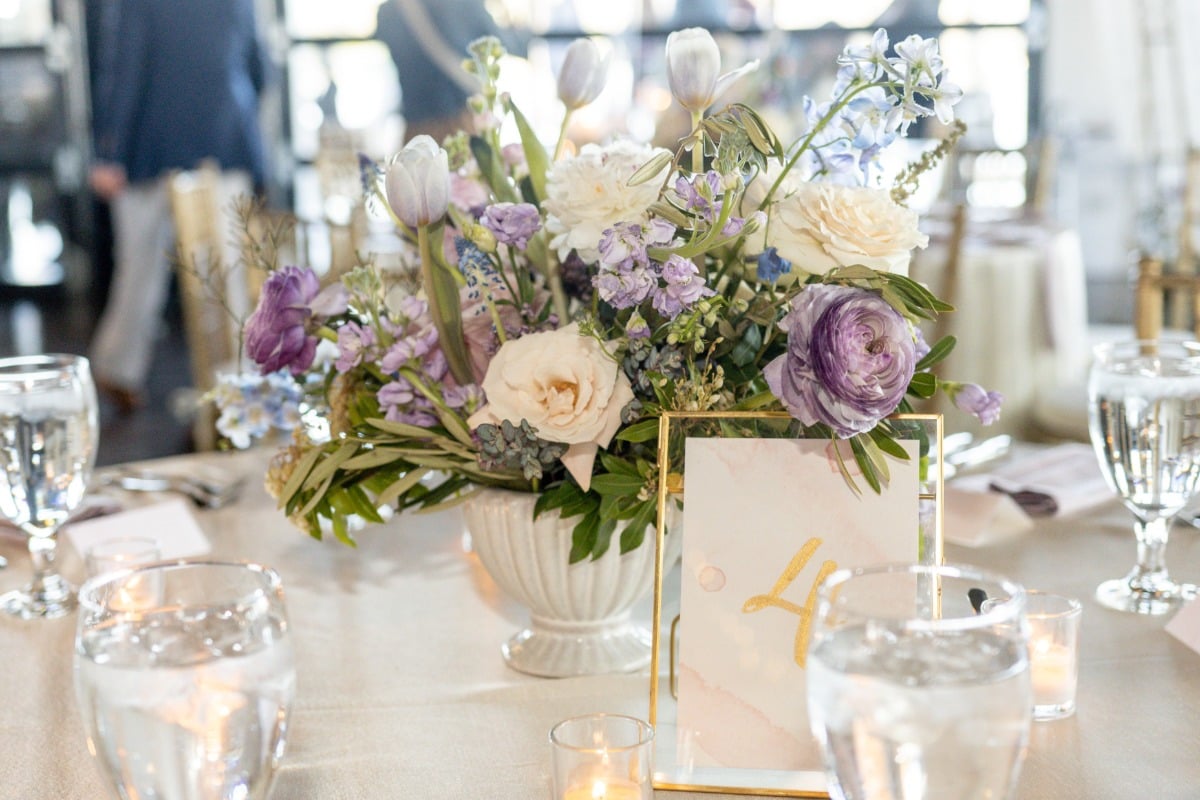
x,y
562,299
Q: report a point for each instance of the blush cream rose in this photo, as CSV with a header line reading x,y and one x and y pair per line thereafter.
x,y
566,386
822,226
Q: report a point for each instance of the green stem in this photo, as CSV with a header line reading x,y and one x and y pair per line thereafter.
x,y
562,134
558,294
441,292
795,157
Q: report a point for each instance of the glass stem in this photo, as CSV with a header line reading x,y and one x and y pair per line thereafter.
x,y
47,586
1151,569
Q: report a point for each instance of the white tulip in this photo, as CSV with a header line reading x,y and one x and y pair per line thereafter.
x,y
418,182
583,74
694,66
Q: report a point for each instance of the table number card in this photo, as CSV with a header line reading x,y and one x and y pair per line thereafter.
x,y
764,520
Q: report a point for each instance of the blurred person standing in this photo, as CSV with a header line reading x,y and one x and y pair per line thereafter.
x,y
183,86
428,41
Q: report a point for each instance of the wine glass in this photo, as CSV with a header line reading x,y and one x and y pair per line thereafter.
x,y
1144,419
185,675
918,682
49,427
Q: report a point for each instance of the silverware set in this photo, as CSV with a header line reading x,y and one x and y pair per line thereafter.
x,y
203,492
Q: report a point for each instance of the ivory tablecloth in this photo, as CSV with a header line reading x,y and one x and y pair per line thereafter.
x,y
402,692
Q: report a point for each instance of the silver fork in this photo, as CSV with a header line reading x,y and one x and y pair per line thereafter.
x,y
204,493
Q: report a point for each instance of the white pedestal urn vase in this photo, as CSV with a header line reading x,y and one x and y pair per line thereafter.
x,y
580,614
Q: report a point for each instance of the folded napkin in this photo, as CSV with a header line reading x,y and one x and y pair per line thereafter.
x,y
1059,481
170,523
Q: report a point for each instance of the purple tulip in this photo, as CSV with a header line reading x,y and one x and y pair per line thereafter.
x,y
974,399
849,359
277,332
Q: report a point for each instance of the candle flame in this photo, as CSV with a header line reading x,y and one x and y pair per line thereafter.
x,y
599,790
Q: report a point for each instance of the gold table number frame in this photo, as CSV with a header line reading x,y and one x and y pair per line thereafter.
x,y
674,429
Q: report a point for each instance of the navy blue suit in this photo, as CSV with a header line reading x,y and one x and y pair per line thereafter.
x,y
184,85
181,87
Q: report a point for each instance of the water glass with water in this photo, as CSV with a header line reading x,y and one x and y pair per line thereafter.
x,y
185,691
918,683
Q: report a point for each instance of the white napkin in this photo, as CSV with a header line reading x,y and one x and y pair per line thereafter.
x,y
1057,481
170,523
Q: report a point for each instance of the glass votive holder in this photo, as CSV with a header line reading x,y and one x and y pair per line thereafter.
x,y
1053,653
142,589
125,552
602,757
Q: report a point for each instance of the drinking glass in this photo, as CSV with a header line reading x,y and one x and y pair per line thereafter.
x,y
185,690
49,427
1144,419
918,683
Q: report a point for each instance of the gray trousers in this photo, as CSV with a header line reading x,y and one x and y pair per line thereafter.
x,y
123,347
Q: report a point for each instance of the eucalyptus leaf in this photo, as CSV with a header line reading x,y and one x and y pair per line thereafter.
x,y
583,538
617,484
536,157
299,474
937,353
641,431
402,485
923,385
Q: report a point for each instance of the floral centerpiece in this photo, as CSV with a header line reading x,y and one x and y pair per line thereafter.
x,y
566,298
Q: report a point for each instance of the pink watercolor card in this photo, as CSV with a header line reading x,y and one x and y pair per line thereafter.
x,y
763,521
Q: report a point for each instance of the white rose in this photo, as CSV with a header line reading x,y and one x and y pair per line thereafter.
x,y
590,192
565,385
820,226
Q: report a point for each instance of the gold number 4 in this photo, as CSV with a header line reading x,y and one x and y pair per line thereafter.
x,y
804,612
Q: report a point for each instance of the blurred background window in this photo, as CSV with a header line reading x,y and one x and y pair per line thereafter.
x,y
335,71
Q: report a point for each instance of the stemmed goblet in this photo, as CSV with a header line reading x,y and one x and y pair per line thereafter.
x,y
49,427
1144,420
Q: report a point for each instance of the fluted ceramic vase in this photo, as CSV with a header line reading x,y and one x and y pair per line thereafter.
x,y
580,614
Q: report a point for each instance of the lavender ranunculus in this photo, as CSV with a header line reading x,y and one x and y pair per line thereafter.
x,y
849,359
277,334
512,223
974,399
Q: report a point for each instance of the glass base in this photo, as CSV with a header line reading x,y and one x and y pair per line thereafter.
x,y
1044,713
1163,598
57,599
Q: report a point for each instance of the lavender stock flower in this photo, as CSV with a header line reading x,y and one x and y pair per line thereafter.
x,y
512,223
277,332
684,287
850,357
974,399
624,287
355,343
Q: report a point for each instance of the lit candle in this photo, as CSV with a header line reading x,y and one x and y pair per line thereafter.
x,y
1052,671
605,789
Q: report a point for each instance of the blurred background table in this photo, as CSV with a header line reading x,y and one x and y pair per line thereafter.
x,y
1021,308
403,694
